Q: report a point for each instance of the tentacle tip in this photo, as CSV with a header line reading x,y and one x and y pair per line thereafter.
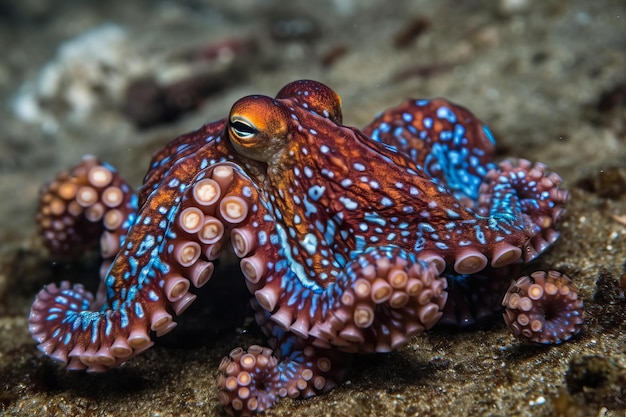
x,y
543,308
249,381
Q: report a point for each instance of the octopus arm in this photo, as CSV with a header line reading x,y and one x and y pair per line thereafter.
x,y
182,228
382,297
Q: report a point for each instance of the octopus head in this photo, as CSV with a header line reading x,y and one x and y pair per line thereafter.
x,y
260,127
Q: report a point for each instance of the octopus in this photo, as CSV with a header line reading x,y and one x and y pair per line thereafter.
x,y
349,241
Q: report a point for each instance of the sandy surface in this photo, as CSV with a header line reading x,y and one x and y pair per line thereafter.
x,y
547,76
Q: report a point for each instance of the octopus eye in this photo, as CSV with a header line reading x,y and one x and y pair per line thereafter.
x,y
257,127
242,129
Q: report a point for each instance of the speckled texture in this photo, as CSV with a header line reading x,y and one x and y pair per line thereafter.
x,y
534,74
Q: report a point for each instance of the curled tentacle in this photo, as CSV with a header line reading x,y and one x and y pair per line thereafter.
x,y
86,206
249,381
384,297
254,380
543,308
518,186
